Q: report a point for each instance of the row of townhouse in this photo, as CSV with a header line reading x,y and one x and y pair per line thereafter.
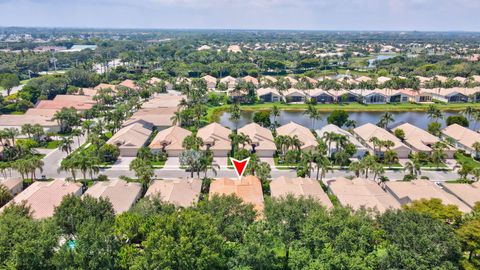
x,y
377,96
44,196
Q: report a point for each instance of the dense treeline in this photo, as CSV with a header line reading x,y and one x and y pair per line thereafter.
x,y
224,233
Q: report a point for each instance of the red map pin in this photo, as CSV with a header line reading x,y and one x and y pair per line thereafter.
x,y
240,166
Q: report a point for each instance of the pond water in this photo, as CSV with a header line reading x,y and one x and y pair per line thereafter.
x,y
419,119
371,62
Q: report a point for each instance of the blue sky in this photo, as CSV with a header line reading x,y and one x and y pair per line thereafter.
x,y
437,15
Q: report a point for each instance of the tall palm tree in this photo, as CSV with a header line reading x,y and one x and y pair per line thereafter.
x,y
323,165
377,170
192,142
65,144
356,167
329,137
367,163
308,158
313,114
386,119
295,142
275,113
434,113
476,147
235,114
11,133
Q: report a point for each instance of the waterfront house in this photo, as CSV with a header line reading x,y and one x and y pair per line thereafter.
x,y
248,188
121,194
170,140
361,193
367,131
216,139
294,95
263,143
420,140
306,137
462,138
371,96
299,187
179,192
407,192
131,138
320,96
269,95
343,96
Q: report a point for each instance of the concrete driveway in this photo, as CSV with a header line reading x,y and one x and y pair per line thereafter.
x,y
123,162
172,163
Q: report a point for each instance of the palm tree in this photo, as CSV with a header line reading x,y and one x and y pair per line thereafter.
x,y
367,163
390,157
377,170
67,165
313,114
11,133
329,137
65,144
438,154
243,139
191,160
386,119
476,173
434,113
308,158
27,129
275,113
235,114
323,165
476,147
356,167
35,163
376,142
295,142
192,142
22,167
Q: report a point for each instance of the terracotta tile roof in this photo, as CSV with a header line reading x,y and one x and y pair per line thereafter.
x,y
304,134
179,192
120,193
270,78
159,117
282,186
360,192
417,137
163,101
463,135
250,79
259,135
209,79
216,135
171,137
43,197
265,91
291,91
422,189
12,120
49,113
13,184
67,101
370,130
130,84
132,136
249,189
467,193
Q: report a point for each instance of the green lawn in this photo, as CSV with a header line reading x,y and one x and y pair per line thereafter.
x,y
52,145
158,164
466,160
286,166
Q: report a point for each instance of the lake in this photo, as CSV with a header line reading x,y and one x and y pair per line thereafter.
x,y
419,119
